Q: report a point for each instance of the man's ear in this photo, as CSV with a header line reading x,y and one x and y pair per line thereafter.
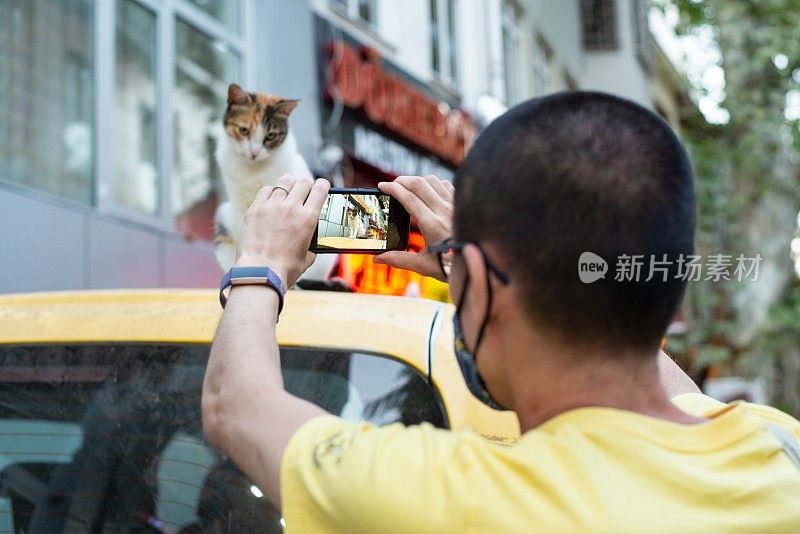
x,y
476,298
476,270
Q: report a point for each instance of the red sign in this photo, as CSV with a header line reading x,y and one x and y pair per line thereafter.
x,y
363,276
359,81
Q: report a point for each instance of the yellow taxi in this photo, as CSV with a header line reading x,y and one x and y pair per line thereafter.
x,y
100,401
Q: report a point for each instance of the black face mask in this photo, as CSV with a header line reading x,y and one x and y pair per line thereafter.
x,y
466,359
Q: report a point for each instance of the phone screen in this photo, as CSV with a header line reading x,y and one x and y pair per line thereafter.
x,y
363,221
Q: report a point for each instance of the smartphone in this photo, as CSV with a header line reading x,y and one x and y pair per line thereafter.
x,y
360,221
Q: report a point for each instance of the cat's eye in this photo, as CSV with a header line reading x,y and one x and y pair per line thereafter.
x,y
271,135
243,130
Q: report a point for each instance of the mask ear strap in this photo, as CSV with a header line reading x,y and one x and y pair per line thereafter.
x,y
488,311
463,294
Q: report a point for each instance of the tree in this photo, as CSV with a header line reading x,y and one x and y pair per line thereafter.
x,y
747,189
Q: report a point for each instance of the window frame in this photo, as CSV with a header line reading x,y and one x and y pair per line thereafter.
x,y
592,41
540,65
511,24
350,9
8,183
447,56
642,37
167,13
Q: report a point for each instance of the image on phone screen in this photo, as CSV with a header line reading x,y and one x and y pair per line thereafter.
x,y
360,220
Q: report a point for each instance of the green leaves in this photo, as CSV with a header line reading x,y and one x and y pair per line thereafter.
x,y
746,171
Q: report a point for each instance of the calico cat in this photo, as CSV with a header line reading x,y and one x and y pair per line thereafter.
x,y
255,151
355,225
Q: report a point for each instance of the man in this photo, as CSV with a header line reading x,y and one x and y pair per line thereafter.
x,y
615,437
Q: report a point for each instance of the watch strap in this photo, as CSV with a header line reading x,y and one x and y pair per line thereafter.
x,y
240,276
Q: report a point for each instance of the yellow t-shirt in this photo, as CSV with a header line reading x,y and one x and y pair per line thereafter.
x,y
586,470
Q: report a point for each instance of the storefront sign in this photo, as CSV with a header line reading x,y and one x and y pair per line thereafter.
x,y
373,148
360,82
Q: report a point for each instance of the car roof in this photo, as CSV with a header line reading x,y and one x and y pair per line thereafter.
x,y
396,326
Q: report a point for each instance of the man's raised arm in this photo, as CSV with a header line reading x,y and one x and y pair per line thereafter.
x,y
674,380
247,413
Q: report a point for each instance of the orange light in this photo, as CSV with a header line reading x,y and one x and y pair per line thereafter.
x,y
364,276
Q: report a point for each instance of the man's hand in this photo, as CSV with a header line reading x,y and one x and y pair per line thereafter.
x,y
429,200
278,226
247,413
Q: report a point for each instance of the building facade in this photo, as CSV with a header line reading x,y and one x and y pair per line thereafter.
x,y
110,109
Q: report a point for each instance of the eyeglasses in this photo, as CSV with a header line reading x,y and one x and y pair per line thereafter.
x,y
446,250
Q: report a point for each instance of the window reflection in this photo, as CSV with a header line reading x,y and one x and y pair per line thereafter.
x,y
226,11
46,96
512,44
204,68
109,438
443,40
136,178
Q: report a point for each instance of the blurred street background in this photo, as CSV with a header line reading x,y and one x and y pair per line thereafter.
x,y
110,111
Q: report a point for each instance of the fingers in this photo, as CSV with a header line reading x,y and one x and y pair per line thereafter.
x,y
424,264
440,187
450,188
267,192
410,201
316,196
299,192
422,188
287,182
401,260
263,195
421,197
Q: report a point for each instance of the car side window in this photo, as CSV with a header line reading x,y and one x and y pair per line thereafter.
x,y
108,438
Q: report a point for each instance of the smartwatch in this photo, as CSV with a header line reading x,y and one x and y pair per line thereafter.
x,y
241,276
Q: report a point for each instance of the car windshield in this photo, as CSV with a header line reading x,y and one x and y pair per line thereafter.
x,y
108,438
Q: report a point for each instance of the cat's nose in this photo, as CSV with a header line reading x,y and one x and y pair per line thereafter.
x,y
254,152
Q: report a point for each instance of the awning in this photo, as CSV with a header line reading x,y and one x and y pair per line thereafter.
x,y
363,203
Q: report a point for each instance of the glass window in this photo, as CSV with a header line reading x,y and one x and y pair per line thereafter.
x,y
443,40
135,183
642,39
540,69
108,438
542,60
512,45
46,119
204,68
364,10
436,54
226,11
599,24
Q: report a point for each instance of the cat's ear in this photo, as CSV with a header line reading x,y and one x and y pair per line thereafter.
x,y
285,107
237,96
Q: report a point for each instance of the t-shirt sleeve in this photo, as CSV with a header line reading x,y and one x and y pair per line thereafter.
x,y
697,404
701,405
357,477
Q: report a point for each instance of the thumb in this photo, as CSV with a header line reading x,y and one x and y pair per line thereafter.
x,y
401,260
